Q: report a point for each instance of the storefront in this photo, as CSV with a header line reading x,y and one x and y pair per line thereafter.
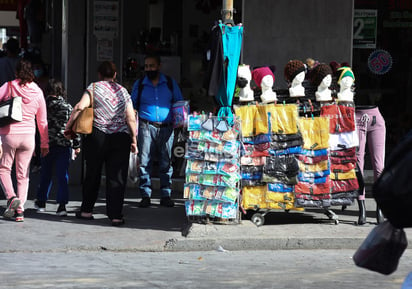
x,y
80,34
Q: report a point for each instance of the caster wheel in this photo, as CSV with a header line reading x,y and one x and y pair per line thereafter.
x,y
258,219
287,211
336,222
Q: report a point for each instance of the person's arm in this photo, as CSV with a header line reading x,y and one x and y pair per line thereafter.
x,y
131,123
177,94
78,108
41,119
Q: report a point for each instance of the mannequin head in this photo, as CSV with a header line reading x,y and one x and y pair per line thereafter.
x,y
267,82
244,72
346,78
326,81
318,73
345,73
264,78
259,73
292,69
244,77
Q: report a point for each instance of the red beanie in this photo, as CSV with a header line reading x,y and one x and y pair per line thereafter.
x,y
259,73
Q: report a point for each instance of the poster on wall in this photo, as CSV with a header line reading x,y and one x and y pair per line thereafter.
x,y
104,50
106,19
365,28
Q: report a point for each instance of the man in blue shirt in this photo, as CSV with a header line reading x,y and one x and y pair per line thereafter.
x,y
153,97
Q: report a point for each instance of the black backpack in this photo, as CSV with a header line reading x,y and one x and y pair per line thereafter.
x,y
140,89
393,189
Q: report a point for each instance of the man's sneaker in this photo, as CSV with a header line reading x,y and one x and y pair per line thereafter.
x,y
145,202
167,202
40,206
20,217
12,204
61,210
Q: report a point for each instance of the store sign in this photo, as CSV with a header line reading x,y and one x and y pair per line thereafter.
x,y
380,61
8,5
365,28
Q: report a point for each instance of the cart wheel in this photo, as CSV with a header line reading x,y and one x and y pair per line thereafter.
x,y
287,211
258,219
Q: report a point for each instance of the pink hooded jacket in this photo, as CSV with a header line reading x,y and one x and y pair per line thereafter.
x,y
33,108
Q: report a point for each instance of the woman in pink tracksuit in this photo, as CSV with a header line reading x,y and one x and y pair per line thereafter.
x,y
18,138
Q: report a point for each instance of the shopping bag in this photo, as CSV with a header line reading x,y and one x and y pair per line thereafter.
x,y
180,113
133,172
382,249
11,109
84,122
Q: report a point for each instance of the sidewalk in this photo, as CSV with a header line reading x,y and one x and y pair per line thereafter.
x,y
168,229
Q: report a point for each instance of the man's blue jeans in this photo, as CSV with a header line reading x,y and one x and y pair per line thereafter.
x,y
154,141
59,157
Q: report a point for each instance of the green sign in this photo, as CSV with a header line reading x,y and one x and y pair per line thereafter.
x,y
364,28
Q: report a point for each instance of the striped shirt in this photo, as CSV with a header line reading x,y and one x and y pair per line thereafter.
x,y
110,102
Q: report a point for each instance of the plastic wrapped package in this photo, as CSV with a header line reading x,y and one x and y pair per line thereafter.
x,y
246,113
315,132
253,197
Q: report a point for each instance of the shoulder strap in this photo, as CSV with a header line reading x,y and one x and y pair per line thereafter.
x,y
91,94
139,92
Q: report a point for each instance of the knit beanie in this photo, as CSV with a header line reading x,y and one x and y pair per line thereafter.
x,y
293,68
259,73
345,71
319,72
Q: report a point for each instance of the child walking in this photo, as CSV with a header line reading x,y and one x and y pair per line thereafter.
x,y
60,149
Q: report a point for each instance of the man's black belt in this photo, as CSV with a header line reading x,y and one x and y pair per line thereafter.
x,y
156,124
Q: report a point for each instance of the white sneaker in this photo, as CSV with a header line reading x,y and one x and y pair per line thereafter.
x,y
61,211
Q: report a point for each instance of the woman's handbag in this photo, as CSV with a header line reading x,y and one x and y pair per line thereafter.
x,y
11,109
84,122
382,249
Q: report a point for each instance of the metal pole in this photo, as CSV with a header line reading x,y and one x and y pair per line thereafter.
x,y
227,10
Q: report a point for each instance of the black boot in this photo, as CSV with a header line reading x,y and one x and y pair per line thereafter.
x,y
362,212
379,216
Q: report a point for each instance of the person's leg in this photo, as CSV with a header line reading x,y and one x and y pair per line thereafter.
x,y
165,143
24,153
45,184
376,142
95,152
146,147
62,172
117,165
6,163
362,120
376,145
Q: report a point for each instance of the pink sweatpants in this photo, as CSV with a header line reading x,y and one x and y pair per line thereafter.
x,y
372,132
18,148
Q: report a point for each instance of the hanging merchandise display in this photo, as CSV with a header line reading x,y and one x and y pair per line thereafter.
x,y
212,170
225,48
269,168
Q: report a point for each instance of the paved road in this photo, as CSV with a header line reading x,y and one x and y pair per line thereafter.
x,y
284,269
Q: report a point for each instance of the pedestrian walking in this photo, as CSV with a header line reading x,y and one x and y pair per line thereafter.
x,y
109,144
18,138
153,97
60,149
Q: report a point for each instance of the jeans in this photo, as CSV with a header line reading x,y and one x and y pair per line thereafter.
x,y
60,157
154,141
